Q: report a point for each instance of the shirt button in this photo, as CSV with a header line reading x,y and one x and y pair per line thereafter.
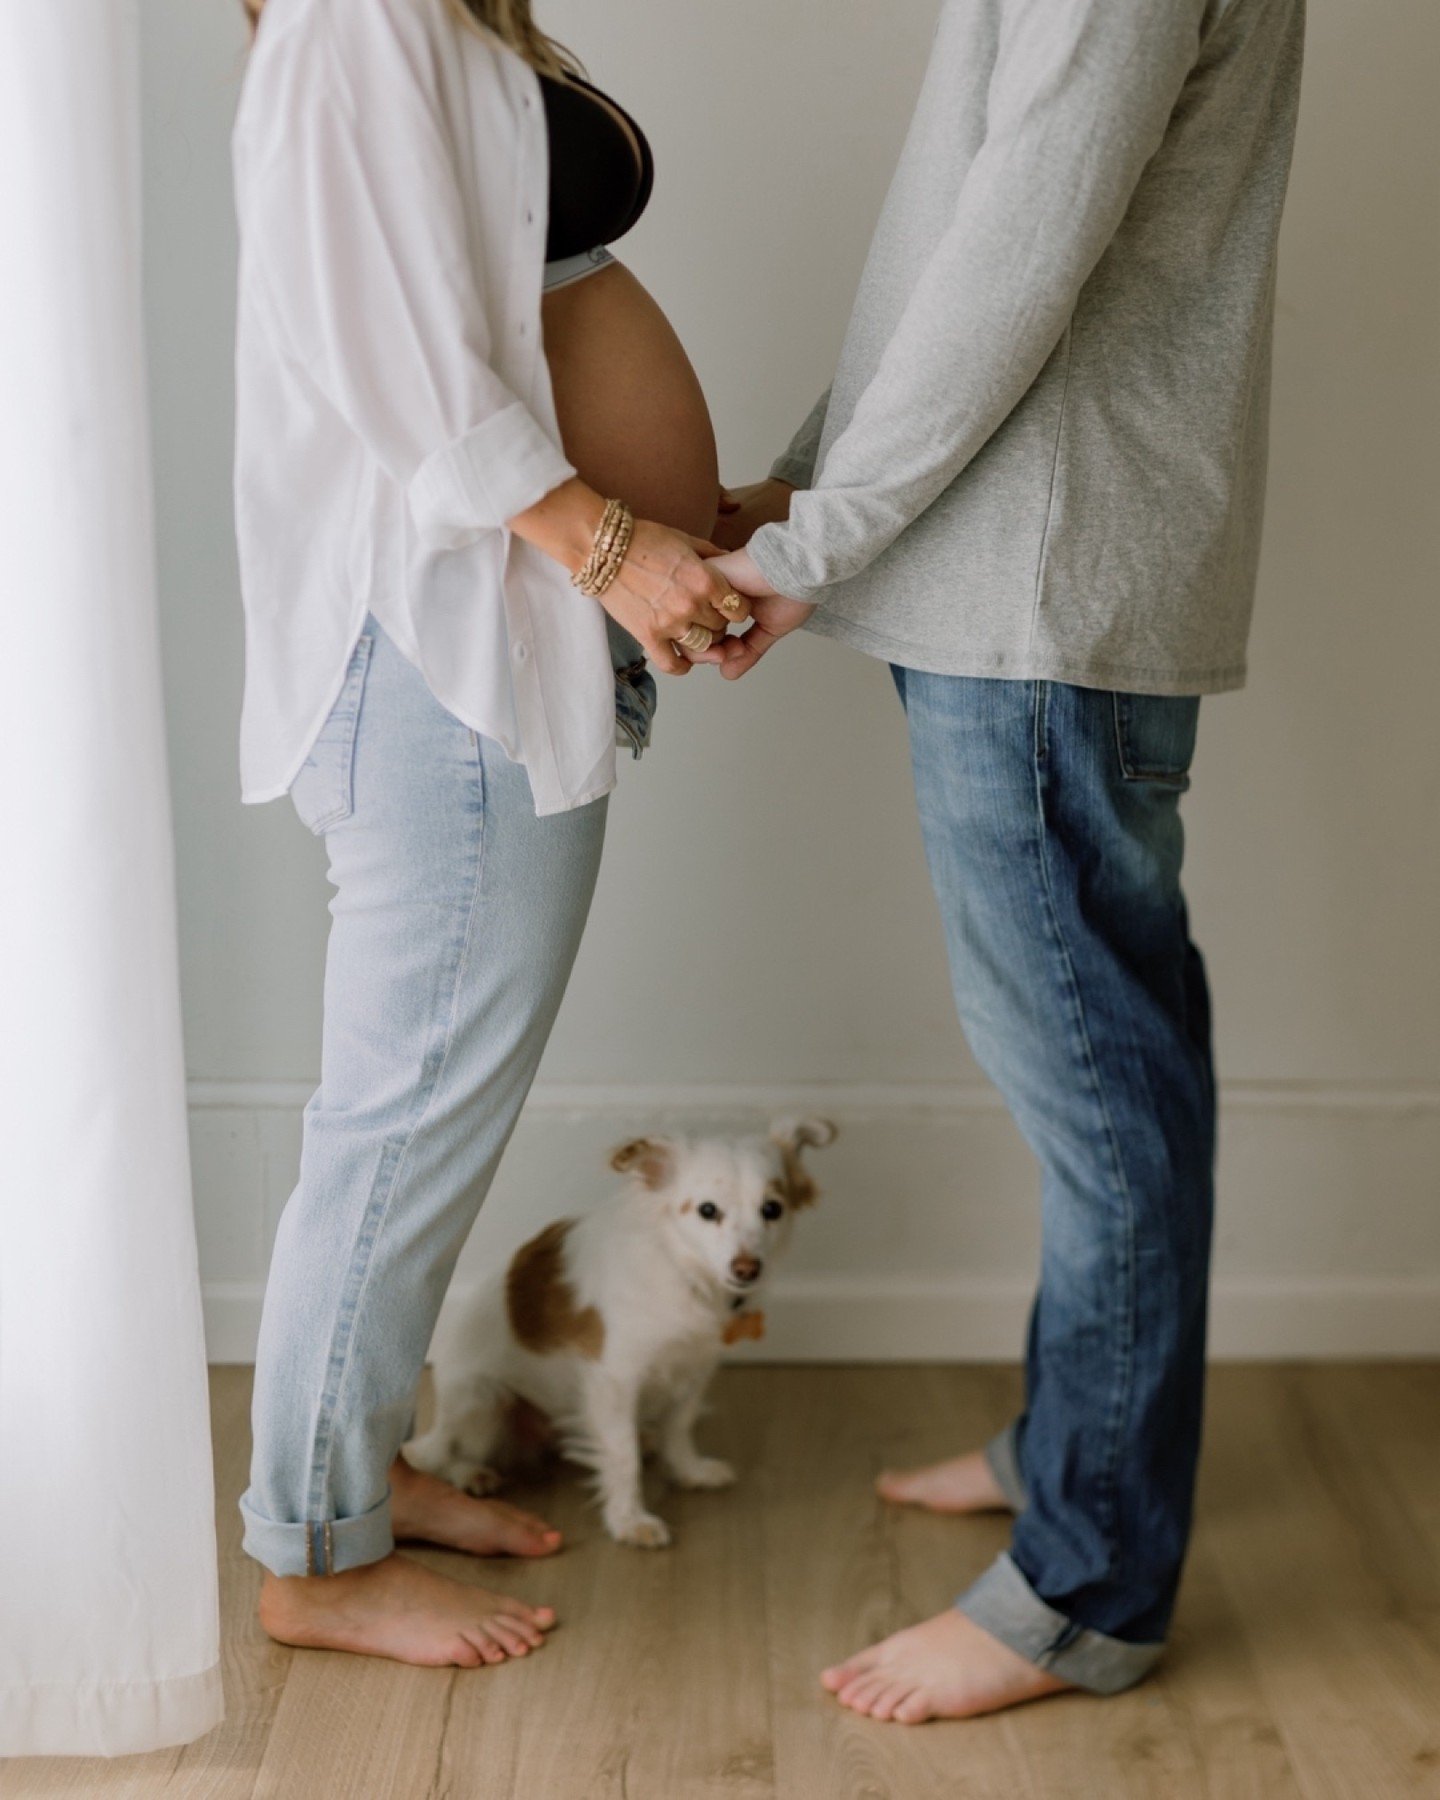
x,y
522,653
529,216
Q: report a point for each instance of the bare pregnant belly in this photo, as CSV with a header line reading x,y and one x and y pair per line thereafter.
x,y
632,417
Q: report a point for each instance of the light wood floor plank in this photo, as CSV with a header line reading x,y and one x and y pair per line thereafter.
x,y
655,1682
843,1569
1350,1677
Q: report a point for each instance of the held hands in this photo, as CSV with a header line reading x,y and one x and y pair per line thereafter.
x,y
772,616
669,583
664,588
742,512
681,590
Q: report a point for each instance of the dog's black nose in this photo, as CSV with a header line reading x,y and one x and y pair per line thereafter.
x,y
746,1268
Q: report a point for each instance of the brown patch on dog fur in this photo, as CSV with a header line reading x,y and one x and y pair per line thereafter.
x,y
541,1303
800,1187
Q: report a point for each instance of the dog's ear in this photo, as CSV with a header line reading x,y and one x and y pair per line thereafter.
x,y
793,1136
651,1159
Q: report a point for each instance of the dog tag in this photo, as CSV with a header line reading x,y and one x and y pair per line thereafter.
x,y
743,1325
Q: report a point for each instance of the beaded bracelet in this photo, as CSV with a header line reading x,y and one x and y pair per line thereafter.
x,y
607,550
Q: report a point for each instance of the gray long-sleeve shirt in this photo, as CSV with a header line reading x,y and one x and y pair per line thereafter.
x,y
1043,454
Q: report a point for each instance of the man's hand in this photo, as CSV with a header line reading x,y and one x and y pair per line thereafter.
x,y
772,615
744,510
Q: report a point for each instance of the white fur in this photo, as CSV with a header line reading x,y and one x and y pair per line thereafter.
x,y
664,1281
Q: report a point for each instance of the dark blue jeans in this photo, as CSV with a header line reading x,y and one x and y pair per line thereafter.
x,y
1051,818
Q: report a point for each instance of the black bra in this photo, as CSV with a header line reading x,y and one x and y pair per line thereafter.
x,y
598,185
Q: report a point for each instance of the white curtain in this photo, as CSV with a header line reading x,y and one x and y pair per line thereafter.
x,y
109,1638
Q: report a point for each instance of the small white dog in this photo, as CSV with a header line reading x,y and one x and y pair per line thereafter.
x,y
612,1324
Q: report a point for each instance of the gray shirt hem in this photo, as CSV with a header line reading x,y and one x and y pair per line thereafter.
x,y
1122,678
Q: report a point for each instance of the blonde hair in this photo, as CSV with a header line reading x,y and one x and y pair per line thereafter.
x,y
510,21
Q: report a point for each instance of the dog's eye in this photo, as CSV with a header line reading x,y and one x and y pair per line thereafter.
x,y
707,1209
772,1209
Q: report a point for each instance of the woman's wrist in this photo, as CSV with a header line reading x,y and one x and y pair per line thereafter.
x,y
563,523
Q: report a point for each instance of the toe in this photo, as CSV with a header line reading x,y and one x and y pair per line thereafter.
x,y
509,1637
492,1651
860,1695
523,1627
522,1533
541,1616
914,1709
891,1694
837,1676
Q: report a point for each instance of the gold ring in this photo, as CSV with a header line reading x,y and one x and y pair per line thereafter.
x,y
698,638
730,605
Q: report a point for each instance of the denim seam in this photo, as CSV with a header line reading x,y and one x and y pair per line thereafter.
x,y
379,1207
1124,1374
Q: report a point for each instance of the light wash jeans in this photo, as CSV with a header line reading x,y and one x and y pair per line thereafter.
x,y
456,918
1051,818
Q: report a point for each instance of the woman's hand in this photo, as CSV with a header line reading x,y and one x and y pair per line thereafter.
x,y
773,616
664,586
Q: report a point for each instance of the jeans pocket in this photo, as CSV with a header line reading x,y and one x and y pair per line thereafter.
x,y
323,792
1155,737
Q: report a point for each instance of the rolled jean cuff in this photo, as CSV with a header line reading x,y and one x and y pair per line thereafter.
x,y
1003,1603
1004,1463
319,1547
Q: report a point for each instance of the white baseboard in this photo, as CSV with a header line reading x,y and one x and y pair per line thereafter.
x,y
1328,1239
838,1319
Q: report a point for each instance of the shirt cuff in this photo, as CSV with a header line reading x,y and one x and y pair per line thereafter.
x,y
485,478
799,471
783,563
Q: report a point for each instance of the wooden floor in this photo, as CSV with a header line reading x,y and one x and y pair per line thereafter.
x,y
1305,1659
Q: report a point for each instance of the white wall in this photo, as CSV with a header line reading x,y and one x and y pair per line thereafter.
x,y
773,824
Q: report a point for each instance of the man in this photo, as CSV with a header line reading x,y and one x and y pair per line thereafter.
x,y
1035,490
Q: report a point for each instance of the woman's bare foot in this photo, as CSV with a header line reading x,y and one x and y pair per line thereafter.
x,y
947,1668
963,1484
398,1609
425,1507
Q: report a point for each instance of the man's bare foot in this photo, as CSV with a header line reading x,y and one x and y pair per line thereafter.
x,y
947,1668
425,1507
963,1484
399,1609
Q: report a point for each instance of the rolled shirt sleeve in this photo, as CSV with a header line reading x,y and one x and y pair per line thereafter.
x,y
355,227
1079,102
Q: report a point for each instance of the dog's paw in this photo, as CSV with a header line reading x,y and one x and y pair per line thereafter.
x,y
643,1532
479,1481
704,1472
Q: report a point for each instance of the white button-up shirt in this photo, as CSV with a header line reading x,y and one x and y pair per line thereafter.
x,y
394,407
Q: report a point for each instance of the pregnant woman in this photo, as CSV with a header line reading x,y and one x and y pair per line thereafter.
x,y
465,436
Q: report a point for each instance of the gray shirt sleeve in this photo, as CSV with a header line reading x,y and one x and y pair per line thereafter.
x,y
797,464
1078,103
